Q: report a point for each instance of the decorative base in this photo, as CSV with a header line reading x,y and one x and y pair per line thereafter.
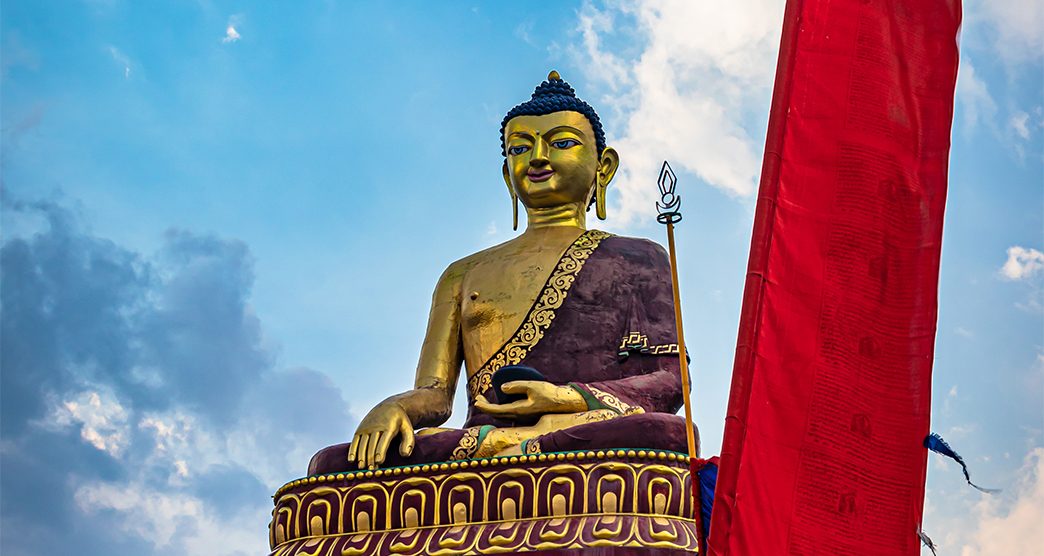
x,y
605,502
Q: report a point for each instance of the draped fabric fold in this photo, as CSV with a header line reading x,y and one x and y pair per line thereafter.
x,y
831,389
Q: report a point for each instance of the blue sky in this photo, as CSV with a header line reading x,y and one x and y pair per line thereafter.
x,y
222,222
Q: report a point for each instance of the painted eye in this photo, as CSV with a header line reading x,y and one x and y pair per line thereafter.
x,y
517,150
565,143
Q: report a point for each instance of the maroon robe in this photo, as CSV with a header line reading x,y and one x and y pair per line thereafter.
x,y
604,324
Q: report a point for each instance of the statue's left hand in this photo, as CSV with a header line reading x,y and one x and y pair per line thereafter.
x,y
541,398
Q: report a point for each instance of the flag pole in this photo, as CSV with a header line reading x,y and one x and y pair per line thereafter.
x,y
669,213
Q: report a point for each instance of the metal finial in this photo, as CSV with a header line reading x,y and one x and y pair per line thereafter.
x,y
553,76
669,205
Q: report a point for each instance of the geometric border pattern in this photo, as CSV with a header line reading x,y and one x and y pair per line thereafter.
x,y
516,537
636,342
516,504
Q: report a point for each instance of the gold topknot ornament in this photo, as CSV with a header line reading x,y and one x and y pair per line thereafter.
x,y
554,76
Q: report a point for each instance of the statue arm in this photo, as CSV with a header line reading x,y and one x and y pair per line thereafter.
x,y
431,400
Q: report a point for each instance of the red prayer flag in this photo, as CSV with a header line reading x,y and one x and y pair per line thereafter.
x,y
831,389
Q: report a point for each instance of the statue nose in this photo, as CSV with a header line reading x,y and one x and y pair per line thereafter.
x,y
539,157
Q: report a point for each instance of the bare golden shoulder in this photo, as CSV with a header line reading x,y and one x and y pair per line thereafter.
x,y
462,266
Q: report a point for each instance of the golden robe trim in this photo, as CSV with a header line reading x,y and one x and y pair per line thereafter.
x,y
468,444
542,314
613,403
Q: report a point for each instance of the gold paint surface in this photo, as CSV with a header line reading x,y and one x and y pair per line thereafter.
x,y
490,308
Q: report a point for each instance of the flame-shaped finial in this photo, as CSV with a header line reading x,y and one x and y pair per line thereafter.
x,y
669,205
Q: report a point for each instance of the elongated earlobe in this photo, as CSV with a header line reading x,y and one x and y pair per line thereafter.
x,y
607,165
514,196
514,211
600,201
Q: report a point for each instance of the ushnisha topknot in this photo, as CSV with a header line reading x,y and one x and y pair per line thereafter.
x,y
554,95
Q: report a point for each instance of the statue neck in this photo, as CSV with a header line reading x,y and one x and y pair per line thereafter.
x,y
570,215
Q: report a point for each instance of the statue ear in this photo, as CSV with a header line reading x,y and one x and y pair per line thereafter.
x,y
514,196
607,165
507,178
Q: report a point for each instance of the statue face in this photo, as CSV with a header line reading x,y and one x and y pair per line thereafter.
x,y
551,159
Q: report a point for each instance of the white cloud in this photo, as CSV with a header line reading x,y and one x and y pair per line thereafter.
x,y
101,418
231,33
159,515
686,95
181,468
176,441
523,31
1034,302
194,476
600,64
1020,123
120,58
1016,24
973,97
958,431
949,401
1013,528
183,447
176,520
180,439
1022,263
164,431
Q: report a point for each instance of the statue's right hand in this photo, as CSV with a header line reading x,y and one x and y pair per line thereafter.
x,y
375,433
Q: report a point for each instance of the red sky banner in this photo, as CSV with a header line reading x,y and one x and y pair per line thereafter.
x,y
831,389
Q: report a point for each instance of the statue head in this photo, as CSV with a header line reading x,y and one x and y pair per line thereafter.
x,y
555,152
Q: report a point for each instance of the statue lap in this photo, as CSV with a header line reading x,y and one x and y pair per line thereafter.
x,y
651,431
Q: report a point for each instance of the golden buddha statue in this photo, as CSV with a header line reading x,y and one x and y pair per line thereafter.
x,y
567,337
585,317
